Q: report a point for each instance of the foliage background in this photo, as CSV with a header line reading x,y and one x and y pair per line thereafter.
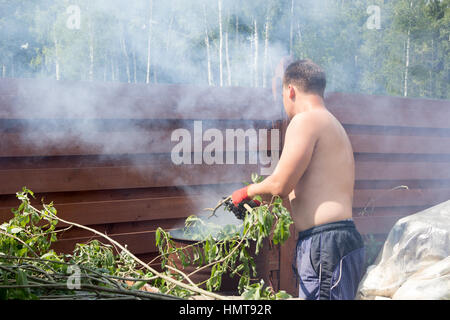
x,y
231,43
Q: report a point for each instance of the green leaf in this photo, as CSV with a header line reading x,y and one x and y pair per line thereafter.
x,y
51,255
137,285
158,237
282,295
22,279
238,269
15,230
53,237
22,252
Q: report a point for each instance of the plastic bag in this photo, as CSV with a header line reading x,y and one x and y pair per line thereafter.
x,y
414,262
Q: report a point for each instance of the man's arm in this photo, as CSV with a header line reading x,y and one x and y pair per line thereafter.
x,y
301,137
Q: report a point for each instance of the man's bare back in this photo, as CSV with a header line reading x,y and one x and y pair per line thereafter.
x,y
315,170
324,193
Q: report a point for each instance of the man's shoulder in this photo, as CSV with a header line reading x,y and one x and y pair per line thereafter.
x,y
311,119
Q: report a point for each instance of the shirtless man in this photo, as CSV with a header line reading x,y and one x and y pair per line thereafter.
x,y
316,172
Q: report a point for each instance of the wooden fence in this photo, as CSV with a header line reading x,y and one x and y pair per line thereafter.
x,y
102,153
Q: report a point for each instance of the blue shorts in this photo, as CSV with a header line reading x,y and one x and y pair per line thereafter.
x,y
330,261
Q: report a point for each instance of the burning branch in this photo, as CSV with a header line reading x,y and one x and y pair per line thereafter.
x,y
219,204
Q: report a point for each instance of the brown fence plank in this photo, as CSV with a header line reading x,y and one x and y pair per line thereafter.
x,y
100,178
399,197
158,175
391,170
94,100
400,144
88,213
191,100
387,211
171,207
136,242
375,225
212,191
388,111
107,143
159,141
120,228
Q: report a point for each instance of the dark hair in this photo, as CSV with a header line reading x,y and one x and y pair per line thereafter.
x,y
306,76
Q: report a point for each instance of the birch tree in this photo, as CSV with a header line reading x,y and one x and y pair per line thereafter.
x,y
91,49
406,72
291,29
57,58
125,53
208,51
266,45
407,18
227,53
256,52
149,42
230,43
220,44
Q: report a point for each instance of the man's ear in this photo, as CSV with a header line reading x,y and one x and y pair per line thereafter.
x,y
291,92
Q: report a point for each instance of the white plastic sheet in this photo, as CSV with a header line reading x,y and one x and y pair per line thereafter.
x,y
414,262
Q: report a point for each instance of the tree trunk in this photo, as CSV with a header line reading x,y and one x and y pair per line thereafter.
x,y
227,55
407,52
149,41
236,45
46,61
134,66
405,80
220,44
208,53
237,31
91,50
433,71
125,53
299,33
169,29
266,51
169,33
256,52
55,43
113,69
117,66
105,64
291,31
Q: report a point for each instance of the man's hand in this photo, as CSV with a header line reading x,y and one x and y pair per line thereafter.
x,y
240,195
238,199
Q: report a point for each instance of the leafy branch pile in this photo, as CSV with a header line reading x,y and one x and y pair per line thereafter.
x,y
228,249
30,269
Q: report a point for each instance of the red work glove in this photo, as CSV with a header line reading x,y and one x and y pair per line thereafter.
x,y
238,199
241,195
